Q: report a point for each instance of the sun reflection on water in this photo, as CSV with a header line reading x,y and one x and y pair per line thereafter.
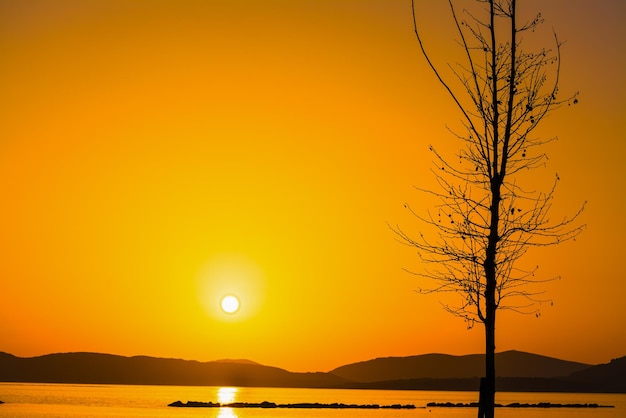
x,y
226,395
227,413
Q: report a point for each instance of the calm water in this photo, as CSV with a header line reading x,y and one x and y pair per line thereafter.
x,y
58,400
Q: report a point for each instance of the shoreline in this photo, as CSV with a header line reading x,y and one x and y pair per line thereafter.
x,y
272,405
316,405
518,405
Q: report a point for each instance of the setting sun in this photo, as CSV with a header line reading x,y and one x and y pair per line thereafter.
x,y
215,179
230,304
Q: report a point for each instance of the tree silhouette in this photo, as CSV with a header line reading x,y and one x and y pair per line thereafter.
x,y
485,220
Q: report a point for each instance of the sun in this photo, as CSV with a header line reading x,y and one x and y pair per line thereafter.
x,y
231,287
229,304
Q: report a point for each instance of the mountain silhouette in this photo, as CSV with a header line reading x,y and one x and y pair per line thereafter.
x,y
444,366
610,377
517,371
141,370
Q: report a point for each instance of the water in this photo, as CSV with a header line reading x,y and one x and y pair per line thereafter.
x,y
97,401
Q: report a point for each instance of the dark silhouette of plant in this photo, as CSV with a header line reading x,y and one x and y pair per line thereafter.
x,y
485,220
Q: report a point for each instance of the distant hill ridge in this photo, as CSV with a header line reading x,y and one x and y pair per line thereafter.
x,y
240,361
112,369
517,371
445,366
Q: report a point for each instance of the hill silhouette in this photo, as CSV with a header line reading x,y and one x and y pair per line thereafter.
x,y
444,366
517,371
106,368
610,377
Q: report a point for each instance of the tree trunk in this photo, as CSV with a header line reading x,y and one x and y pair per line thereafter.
x,y
481,398
489,395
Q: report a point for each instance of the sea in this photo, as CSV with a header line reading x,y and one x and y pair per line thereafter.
x,y
28,400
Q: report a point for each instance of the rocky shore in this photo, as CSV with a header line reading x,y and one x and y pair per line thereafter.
x,y
316,405
520,405
304,405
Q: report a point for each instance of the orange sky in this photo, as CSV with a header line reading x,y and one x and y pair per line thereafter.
x,y
155,155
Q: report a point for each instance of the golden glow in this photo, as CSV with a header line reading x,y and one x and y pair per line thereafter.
x,y
234,276
230,304
158,155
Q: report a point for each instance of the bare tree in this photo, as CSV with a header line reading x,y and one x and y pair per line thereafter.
x,y
485,220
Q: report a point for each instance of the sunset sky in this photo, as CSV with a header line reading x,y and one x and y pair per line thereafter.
x,y
157,155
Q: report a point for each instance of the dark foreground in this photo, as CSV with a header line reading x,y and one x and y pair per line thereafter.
x,y
266,404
